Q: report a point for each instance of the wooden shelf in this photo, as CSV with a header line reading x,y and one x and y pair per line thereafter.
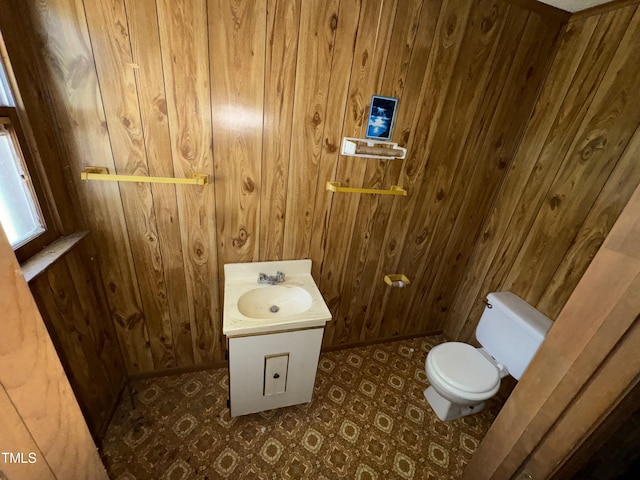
x,y
45,258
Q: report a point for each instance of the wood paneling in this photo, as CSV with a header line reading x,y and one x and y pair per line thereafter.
x,y
318,20
342,63
573,172
42,414
259,95
112,54
283,27
237,33
71,300
587,365
70,294
147,67
185,60
60,27
346,243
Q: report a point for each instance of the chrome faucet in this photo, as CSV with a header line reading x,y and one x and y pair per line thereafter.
x,y
271,279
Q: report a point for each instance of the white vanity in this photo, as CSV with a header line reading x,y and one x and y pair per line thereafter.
x,y
274,333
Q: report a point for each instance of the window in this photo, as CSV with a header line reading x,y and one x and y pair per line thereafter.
x,y
22,218
19,211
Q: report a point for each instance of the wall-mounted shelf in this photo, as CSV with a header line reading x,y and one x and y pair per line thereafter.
x,y
367,148
394,190
47,256
102,173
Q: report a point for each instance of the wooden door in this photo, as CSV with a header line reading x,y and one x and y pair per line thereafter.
x,y
41,425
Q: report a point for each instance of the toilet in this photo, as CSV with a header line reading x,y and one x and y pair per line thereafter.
x,y
462,378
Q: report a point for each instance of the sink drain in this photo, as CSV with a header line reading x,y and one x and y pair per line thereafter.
x,y
274,309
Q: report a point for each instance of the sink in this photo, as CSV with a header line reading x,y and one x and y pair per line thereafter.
x,y
250,307
274,301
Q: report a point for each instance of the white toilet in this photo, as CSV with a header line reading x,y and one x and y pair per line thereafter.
x,y
463,377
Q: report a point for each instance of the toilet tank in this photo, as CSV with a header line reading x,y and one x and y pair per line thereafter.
x,y
511,331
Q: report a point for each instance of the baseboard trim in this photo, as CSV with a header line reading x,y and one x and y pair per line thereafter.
x,y
366,343
223,364
179,370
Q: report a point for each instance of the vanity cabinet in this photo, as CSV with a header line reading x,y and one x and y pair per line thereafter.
x,y
272,370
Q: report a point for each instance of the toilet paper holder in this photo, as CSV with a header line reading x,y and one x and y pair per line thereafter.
x,y
396,280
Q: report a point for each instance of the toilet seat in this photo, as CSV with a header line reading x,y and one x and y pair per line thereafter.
x,y
463,371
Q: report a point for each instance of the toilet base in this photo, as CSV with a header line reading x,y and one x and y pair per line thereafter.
x,y
445,410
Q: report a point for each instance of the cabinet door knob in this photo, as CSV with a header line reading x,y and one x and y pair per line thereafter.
x,y
277,375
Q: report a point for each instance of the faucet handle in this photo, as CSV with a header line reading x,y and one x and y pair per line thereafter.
x,y
280,276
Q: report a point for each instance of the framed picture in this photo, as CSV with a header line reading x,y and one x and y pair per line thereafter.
x,y
382,114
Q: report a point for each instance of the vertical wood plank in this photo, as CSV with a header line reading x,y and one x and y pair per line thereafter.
x,y
68,328
373,211
30,373
341,65
142,20
404,72
442,56
451,158
237,53
477,44
90,292
488,157
520,197
370,55
610,202
371,303
69,60
612,118
573,42
112,52
185,60
283,24
318,23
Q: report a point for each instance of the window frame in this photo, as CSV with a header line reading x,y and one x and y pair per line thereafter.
x,y
11,120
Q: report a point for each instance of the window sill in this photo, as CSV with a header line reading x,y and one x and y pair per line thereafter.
x,y
47,256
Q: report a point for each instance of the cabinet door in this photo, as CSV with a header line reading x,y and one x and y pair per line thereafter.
x,y
275,374
272,371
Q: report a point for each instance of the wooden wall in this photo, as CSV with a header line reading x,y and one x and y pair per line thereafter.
x,y
585,371
258,94
71,300
70,294
38,412
573,172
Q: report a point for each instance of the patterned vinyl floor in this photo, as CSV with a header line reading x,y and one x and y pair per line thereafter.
x,y
368,420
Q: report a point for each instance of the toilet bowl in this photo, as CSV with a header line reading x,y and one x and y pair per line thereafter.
x,y
463,377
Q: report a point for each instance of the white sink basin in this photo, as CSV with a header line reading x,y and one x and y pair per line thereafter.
x,y
250,307
274,301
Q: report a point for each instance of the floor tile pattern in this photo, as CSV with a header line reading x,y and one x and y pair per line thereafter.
x,y
368,420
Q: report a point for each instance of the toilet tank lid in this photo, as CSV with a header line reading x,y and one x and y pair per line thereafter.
x,y
535,321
